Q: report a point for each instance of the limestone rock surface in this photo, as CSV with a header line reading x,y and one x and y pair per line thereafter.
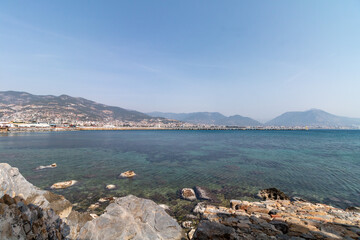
x,y
133,218
14,184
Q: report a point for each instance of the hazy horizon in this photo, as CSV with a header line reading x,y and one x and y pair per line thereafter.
x,y
257,59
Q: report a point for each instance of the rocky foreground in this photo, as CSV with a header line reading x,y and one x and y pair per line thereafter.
x,y
27,212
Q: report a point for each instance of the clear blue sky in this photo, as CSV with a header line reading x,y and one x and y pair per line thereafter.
x,y
253,58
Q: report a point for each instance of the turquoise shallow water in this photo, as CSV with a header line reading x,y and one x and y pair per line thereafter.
x,y
320,165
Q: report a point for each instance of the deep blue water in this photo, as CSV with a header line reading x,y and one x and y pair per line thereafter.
x,y
319,165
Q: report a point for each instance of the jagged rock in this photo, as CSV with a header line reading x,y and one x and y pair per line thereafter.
x,y
272,194
21,221
132,218
353,209
14,184
76,221
200,207
204,194
190,234
188,194
281,226
127,174
110,186
47,166
214,230
61,185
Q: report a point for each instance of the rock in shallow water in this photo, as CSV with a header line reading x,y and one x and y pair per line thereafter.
x,y
47,166
110,186
272,194
61,185
204,194
132,218
188,194
127,174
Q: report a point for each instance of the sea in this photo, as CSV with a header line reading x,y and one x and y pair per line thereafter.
x,y
316,165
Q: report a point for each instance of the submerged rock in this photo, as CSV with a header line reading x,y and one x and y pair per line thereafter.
x,y
272,194
47,166
110,186
132,218
188,194
187,224
61,185
204,194
127,174
14,184
106,199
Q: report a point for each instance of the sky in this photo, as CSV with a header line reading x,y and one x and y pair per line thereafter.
x,y
254,58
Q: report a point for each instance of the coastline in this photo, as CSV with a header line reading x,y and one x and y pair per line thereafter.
x,y
61,129
275,217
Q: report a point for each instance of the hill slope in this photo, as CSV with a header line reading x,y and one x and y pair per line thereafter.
x,y
313,118
212,118
28,107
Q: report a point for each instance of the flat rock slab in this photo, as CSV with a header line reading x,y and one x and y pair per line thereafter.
x,y
61,185
133,218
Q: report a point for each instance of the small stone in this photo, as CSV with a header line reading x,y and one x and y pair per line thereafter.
x,y
61,185
127,174
106,199
93,215
47,166
186,224
94,206
110,186
191,233
188,194
164,206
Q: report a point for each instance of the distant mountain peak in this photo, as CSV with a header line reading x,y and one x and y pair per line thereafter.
x,y
313,118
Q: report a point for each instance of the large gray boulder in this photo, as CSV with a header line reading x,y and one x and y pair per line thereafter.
x,y
14,184
133,218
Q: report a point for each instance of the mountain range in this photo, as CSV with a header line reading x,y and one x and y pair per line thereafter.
x,y
212,118
27,107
